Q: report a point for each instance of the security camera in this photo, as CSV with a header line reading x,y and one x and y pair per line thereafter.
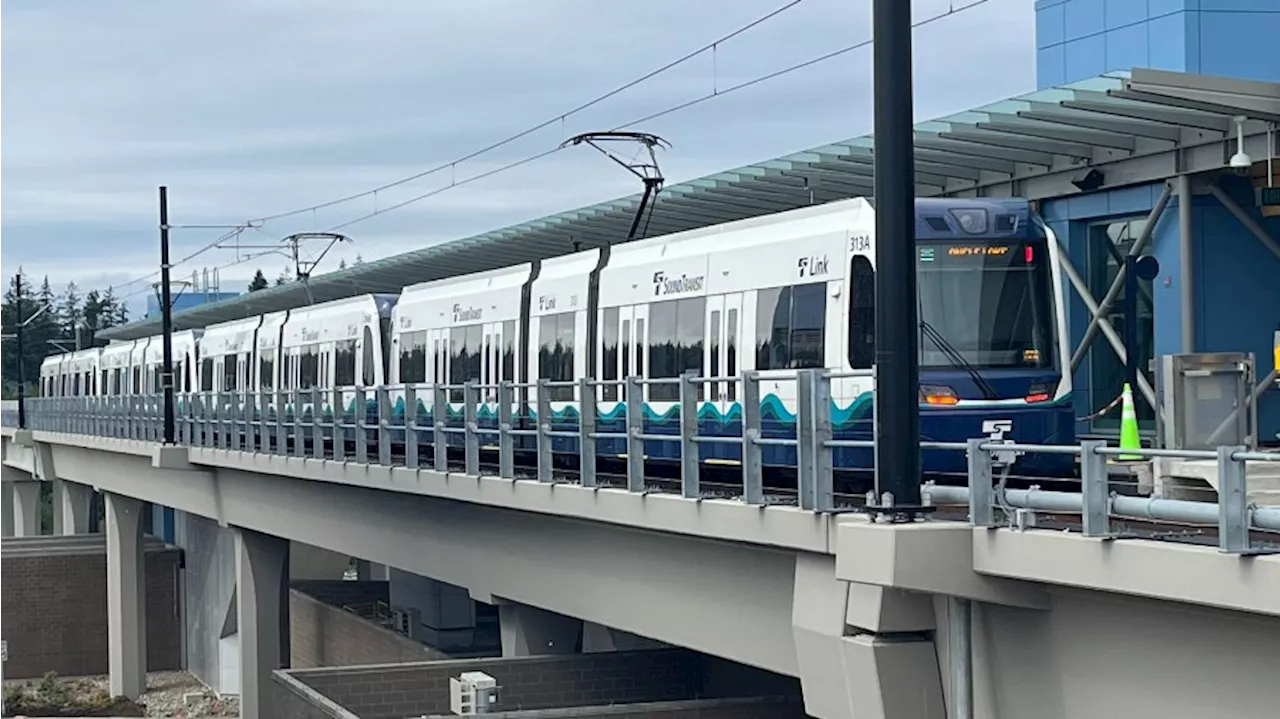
x,y
1240,163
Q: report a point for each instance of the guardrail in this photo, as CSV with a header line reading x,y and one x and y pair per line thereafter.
x,y
320,424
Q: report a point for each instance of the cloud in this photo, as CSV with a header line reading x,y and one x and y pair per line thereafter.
x,y
248,107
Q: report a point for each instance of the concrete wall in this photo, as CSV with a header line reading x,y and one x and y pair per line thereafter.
x,y
54,593
527,683
1076,39
744,708
341,592
322,635
209,597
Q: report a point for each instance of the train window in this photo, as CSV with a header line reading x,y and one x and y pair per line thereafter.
x,y
488,342
625,340
789,326
555,352
641,369
344,364
731,351
862,313
464,357
102,381
75,385
413,357
509,350
676,330
714,369
156,380
266,370
609,354
308,367
228,374
436,375
136,387
286,371
368,371
206,374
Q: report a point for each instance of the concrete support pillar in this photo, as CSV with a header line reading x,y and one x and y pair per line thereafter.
x,y
6,509
25,516
262,617
126,597
71,504
446,613
530,631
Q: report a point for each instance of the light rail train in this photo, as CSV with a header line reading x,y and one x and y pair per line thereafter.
x,y
773,294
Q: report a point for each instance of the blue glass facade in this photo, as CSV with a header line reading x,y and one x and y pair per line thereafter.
x,y
1076,39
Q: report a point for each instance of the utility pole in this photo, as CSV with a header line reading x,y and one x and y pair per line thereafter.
x,y
897,409
22,359
166,321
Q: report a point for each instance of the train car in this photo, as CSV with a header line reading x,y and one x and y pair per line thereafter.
x,y
185,348
226,352
463,329
343,344
120,369
51,377
78,373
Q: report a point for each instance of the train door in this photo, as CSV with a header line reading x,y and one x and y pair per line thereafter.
x,y
438,341
639,354
720,349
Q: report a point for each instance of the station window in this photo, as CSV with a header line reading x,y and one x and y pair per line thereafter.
x,y
413,357
676,330
555,352
344,363
789,326
862,313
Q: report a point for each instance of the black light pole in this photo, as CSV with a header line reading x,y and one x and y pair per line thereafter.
x,y
22,358
166,318
897,409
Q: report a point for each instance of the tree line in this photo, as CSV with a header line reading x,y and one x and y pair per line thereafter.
x,y
52,321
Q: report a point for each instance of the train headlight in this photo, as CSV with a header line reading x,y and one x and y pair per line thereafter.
x,y
974,222
938,395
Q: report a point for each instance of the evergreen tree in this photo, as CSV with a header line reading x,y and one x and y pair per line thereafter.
x,y
91,314
259,282
359,259
285,277
342,264
113,311
41,325
70,312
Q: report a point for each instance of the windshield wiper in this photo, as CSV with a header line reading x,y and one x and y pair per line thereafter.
x,y
957,359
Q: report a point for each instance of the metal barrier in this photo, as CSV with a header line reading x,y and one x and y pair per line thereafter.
x,y
320,424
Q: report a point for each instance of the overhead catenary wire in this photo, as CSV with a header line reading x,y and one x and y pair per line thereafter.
x,y
716,93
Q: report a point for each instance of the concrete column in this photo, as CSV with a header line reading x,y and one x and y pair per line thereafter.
x,y
446,613
71,504
262,617
126,597
530,631
25,516
6,509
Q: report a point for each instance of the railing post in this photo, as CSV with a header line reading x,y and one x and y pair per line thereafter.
x,y
282,427
1233,502
339,420
635,434
543,424
586,432
471,423
299,441
383,398
824,466
359,413
752,462
266,426
980,489
410,427
1095,488
252,435
234,414
226,420
317,423
689,464
439,420
806,454
506,441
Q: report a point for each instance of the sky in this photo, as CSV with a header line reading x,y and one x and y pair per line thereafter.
x,y
247,108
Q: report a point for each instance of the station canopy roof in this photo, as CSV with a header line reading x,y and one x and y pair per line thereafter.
x,y
1139,126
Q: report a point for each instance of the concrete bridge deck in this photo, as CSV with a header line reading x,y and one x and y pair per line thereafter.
x,y
861,612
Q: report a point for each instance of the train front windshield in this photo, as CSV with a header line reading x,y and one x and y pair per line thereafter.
x,y
986,303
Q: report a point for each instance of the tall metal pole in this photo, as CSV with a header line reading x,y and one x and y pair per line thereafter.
x,y
897,409
22,354
1131,320
166,321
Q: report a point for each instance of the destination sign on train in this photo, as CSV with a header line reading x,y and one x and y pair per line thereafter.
x,y
976,250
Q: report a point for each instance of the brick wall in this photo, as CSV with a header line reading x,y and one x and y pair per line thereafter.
x,y
322,635
54,596
291,699
390,691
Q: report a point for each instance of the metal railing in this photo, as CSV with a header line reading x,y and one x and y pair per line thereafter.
x,y
399,425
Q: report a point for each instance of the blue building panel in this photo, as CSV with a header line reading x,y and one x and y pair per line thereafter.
x,y
187,300
1229,38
